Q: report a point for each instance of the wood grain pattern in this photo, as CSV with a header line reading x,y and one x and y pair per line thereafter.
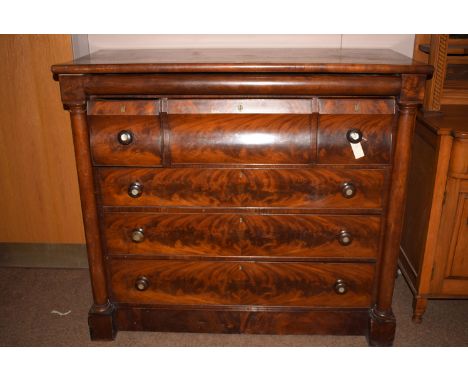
x,y
383,321
289,188
244,60
239,106
433,243
451,270
222,320
242,235
123,107
89,206
74,89
144,150
233,138
173,234
241,283
333,146
238,231
309,236
459,247
40,201
419,200
356,106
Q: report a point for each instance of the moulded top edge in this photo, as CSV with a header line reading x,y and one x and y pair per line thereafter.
x,y
351,61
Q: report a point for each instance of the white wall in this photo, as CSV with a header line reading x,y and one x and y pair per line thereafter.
x,y
402,43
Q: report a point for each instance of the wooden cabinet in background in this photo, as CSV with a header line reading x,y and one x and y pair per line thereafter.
x,y
434,247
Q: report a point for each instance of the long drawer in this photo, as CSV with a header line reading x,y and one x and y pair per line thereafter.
x,y
210,234
241,283
195,187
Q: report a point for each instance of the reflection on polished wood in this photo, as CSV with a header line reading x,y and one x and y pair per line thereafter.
x,y
229,196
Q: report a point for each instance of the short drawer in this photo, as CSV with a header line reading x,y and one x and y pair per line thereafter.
x,y
241,283
283,188
221,235
250,131
370,121
125,133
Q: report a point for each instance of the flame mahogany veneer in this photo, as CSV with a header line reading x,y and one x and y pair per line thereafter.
x,y
220,192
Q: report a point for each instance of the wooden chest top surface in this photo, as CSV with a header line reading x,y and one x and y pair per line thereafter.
x,y
371,61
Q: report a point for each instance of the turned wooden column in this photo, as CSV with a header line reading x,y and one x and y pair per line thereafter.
x,y
382,320
102,310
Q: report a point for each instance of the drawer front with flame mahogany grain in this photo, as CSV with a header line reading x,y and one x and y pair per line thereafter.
x,y
223,235
243,191
288,284
250,131
371,119
125,133
282,188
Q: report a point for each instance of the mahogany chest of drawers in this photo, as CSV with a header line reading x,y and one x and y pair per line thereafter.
x,y
243,191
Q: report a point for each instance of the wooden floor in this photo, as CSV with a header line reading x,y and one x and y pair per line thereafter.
x,y
28,296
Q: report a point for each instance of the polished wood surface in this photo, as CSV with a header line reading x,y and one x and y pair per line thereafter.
x,y
144,149
123,107
452,120
243,320
40,201
459,266
230,138
75,89
213,235
244,60
433,250
334,148
242,283
241,106
258,217
89,206
198,187
356,106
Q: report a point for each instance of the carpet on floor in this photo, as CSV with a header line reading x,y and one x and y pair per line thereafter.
x,y
28,296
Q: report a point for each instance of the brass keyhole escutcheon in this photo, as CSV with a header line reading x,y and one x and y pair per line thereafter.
x,y
122,109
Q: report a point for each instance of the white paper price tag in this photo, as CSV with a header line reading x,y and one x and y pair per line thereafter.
x,y
357,150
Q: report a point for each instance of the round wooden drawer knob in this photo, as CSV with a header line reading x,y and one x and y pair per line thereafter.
x,y
125,137
345,238
340,287
138,235
348,190
354,136
142,283
135,190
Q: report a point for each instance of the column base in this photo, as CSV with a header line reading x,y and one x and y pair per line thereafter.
x,y
101,322
382,327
